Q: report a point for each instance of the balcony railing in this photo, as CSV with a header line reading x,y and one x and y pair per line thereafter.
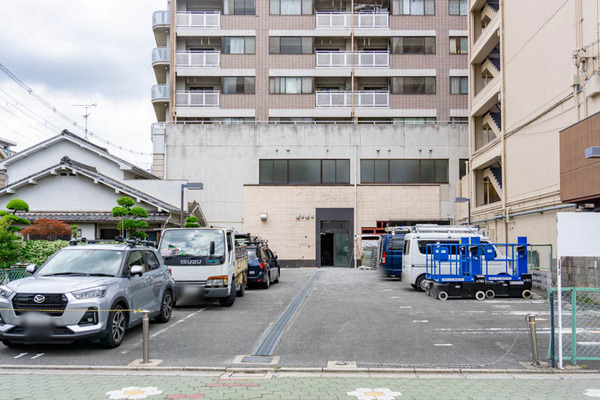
x,y
160,18
197,98
198,59
361,20
362,98
362,59
160,93
161,55
199,19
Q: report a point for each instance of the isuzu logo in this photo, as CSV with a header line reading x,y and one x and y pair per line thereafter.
x,y
39,299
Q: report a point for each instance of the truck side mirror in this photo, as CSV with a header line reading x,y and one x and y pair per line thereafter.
x,y
212,248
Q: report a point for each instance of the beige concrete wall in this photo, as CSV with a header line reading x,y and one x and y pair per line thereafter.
x,y
294,239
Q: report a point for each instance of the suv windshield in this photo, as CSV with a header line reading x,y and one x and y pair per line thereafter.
x,y
83,262
192,242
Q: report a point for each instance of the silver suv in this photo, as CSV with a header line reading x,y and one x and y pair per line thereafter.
x,y
90,291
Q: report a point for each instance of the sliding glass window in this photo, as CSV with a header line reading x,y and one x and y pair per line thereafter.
x,y
291,7
304,172
404,171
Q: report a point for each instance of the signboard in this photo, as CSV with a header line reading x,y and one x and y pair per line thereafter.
x,y
578,234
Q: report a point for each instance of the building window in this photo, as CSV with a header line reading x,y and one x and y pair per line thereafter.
x,y
459,85
459,120
413,45
239,7
404,171
238,85
413,85
291,7
413,7
457,7
290,85
237,120
290,45
414,120
459,45
304,172
462,167
239,45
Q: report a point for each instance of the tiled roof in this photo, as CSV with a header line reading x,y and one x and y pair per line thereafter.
x,y
71,217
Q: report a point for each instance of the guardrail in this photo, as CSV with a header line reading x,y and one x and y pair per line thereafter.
x,y
160,55
199,19
198,59
160,92
160,18
362,59
200,98
343,98
361,20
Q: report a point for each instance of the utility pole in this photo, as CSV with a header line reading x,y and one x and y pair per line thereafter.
x,y
87,114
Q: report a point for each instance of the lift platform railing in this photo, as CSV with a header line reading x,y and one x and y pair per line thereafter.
x,y
448,262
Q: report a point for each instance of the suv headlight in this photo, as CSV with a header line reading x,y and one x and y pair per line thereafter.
x,y
92,293
5,292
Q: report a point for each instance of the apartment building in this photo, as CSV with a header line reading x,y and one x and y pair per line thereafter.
x,y
533,71
338,103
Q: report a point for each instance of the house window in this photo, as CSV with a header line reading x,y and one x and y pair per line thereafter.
x,y
291,7
459,85
239,45
404,171
304,172
459,45
290,85
413,85
413,7
414,120
238,85
239,7
462,167
457,7
290,45
413,45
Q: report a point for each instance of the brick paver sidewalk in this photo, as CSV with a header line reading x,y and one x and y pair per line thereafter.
x,y
91,385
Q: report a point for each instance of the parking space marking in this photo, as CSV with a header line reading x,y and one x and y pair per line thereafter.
x,y
443,344
20,355
37,356
422,320
405,307
175,323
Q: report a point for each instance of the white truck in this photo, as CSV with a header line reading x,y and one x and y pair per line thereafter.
x,y
206,263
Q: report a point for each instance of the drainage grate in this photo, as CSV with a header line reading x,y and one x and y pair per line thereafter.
x,y
257,360
272,337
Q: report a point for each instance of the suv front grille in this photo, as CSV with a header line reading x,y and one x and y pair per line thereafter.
x,y
53,304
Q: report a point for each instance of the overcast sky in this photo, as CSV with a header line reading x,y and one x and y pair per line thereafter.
x,y
79,52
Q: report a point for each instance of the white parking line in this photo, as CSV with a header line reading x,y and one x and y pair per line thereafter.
x,y
405,307
443,344
37,356
176,323
21,355
423,320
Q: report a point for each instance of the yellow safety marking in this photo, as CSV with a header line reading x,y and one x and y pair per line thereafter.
x,y
137,310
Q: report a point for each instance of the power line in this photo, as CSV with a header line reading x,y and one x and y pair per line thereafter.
x,y
22,120
29,110
44,123
62,115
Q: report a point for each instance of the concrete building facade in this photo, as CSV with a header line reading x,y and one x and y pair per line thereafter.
x,y
533,72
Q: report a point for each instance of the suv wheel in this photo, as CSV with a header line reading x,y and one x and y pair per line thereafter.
x,y
115,329
278,275
267,280
166,308
229,300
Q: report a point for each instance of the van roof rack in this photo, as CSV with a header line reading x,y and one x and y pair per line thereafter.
x,y
403,229
431,228
117,240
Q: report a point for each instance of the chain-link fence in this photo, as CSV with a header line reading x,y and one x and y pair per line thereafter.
x,y
580,324
14,273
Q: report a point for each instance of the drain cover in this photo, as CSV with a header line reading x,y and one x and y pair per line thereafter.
x,y
257,360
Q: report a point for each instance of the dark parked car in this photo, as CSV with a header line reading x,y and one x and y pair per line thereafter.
x,y
263,266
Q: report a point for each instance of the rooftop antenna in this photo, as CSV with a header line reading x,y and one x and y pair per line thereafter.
x,y
87,114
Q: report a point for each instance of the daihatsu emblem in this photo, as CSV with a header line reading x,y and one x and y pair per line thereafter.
x,y
39,299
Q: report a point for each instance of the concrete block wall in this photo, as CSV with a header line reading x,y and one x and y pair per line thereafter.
x,y
580,272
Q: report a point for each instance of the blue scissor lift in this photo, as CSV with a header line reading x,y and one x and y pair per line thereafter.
x,y
472,269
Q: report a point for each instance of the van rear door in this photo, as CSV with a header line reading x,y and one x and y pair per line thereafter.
x,y
395,249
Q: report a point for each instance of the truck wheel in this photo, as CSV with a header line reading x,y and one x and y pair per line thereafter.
x,y
267,281
229,300
442,296
480,295
527,294
242,291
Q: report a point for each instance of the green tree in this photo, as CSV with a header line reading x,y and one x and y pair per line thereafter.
x,y
74,229
10,245
10,219
192,222
131,218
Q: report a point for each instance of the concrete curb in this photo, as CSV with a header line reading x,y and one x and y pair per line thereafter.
x,y
319,371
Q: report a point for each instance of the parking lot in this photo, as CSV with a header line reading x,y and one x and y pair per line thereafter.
x,y
348,315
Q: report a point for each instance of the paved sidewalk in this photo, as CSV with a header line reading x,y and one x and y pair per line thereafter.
x,y
36,384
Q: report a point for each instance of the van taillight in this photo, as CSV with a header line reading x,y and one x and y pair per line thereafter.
x,y
383,258
262,265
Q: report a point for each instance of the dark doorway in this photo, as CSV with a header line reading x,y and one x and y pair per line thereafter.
x,y
109,234
326,249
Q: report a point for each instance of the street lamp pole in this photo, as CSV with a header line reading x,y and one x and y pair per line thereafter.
x,y
468,201
189,186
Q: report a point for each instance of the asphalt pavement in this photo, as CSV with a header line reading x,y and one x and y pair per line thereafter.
x,y
355,318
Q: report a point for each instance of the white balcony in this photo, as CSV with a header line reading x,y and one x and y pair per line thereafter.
x,y
160,55
160,93
336,20
362,59
362,98
160,18
197,98
198,59
199,19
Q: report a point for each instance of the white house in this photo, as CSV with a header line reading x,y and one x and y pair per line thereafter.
x,y
75,181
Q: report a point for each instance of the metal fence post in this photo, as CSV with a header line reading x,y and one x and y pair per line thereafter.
x,y
552,329
146,339
573,327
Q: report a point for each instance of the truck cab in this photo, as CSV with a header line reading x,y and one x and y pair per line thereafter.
x,y
206,263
